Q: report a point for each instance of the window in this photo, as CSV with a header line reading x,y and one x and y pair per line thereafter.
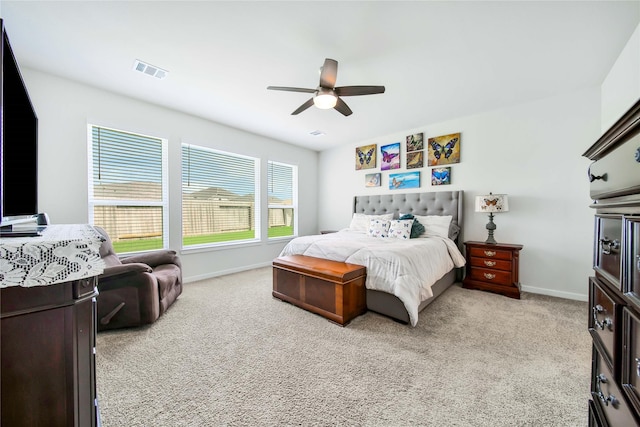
x,y
282,181
219,197
128,188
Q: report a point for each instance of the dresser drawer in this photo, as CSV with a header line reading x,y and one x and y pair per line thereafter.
x,y
605,312
616,174
497,277
608,248
607,395
490,253
498,264
630,377
631,258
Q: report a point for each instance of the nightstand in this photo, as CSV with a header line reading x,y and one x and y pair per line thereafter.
x,y
493,268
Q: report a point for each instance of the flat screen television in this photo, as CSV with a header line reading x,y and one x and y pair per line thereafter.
x,y
18,144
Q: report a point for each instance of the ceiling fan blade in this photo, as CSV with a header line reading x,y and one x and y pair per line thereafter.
x,y
329,73
291,89
358,90
303,107
343,108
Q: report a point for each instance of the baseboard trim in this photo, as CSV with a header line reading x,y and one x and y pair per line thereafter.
x,y
191,279
555,293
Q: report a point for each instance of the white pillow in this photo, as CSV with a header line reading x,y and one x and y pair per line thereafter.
x,y
360,222
400,228
379,227
435,225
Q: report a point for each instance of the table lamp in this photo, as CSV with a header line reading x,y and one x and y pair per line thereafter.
x,y
492,203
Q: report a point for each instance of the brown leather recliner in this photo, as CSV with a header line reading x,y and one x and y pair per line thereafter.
x,y
137,289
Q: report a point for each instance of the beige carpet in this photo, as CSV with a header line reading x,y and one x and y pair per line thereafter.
x,y
228,354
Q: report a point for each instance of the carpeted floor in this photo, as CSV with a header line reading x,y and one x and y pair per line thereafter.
x,y
228,354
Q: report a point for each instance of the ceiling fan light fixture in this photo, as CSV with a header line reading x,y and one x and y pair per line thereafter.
x,y
325,100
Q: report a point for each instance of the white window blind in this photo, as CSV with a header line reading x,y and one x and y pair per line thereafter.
x,y
219,197
282,182
128,189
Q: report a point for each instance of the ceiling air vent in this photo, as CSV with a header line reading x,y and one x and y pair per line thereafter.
x,y
150,70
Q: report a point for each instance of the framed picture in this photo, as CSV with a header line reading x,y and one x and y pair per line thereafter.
x,y
372,180
444,150
366,157
440,176
390,156
415,160
404,180
415,142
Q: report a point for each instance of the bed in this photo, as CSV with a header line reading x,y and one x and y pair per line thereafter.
x,y
403,276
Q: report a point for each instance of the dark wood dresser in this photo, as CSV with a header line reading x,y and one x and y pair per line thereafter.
x,y
48,355
48,328
493,267
614,290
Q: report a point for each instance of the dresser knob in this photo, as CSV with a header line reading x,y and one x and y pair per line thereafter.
x,y
601,379
608,246
489,276
593,177
606,323
490,253
489,263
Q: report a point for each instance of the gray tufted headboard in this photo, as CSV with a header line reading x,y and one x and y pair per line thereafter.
x,y
428,203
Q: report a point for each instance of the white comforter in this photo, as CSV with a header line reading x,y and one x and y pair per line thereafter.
x,y
404,268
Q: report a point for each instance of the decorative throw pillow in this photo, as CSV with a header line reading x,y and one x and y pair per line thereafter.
x,y
416,229
360,222
435,225
379,228
400,228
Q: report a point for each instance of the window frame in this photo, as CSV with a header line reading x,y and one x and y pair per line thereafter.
x,y
294,200
257,220
164,203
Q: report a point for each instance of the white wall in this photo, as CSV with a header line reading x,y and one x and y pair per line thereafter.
x,y
533,153
64,109
621,87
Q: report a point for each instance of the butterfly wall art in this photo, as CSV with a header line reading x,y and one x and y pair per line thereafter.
x,y
440,176
372,180
444,150
366,157
390,156
414,160
404,180
415,142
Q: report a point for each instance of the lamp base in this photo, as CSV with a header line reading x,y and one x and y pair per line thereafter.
x,y
491,226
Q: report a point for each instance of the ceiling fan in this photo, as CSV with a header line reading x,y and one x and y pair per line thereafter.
x,y
326,95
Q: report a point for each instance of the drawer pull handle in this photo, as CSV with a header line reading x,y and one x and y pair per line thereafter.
x,y
638,262
489,263
606,323
593,177
637,367
608,247
601,379
490,253
489,276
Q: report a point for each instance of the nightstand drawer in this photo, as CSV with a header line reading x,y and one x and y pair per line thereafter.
x,y
490,253
498,264
491,276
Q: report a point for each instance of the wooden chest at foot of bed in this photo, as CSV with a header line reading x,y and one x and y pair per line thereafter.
x,y
331,289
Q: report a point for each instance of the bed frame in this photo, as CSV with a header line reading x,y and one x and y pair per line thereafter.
x,y
427,203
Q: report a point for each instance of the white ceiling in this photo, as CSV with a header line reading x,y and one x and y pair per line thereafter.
x,y
438,60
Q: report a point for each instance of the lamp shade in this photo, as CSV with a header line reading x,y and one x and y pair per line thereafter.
x,y
325,99
492,203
